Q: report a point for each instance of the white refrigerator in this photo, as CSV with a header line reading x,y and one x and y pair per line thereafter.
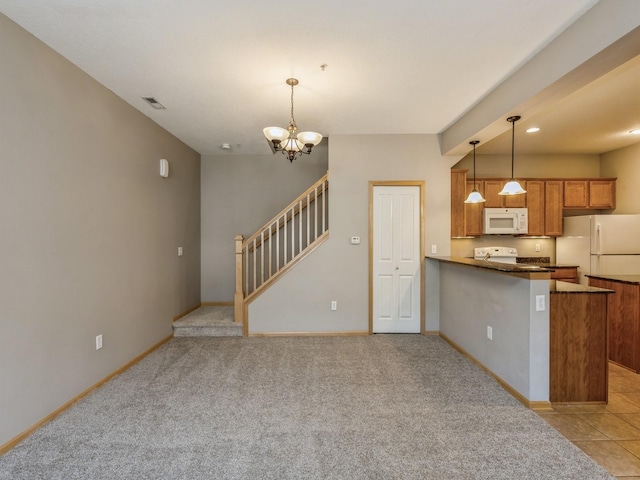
x,y
600,245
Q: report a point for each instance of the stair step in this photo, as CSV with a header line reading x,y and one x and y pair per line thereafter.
x,y
208,322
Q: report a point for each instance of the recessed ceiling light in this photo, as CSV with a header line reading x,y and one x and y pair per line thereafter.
x,y
532,130
635,131
225,146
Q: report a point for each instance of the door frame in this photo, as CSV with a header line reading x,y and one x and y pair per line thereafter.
x,y
396,183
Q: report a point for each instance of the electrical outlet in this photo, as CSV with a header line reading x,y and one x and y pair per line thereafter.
x,y
540,307
334,305
98,342
489,332
180,251
537,247
434,249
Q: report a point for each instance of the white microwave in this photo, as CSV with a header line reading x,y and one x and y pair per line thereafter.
x,y
505,221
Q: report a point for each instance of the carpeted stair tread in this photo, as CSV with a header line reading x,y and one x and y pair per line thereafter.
x,y
216,321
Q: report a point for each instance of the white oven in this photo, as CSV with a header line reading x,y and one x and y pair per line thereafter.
x,y
505,221
496,254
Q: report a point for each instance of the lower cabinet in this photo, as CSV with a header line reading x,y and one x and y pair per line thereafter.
x,y
578,365
624,322
565,274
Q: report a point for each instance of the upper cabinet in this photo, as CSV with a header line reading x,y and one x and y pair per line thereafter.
x,y
473,211
458,187
493,187
553,194
602,193
590,193
545,198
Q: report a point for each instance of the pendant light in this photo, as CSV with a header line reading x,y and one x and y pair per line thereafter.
x,y
289,141
475,196
512,187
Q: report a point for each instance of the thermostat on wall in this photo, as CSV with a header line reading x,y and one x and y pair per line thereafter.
x,y
355,240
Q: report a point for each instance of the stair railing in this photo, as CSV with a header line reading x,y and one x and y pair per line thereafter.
x,y
279,244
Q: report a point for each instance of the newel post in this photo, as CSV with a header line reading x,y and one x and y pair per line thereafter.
x,y
238,299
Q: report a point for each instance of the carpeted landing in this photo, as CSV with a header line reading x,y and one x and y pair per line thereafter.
x,y
373,407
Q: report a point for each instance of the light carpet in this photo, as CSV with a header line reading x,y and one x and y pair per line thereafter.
x,y
372,407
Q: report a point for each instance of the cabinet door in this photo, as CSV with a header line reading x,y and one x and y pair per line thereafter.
x,y
602,194
491,190
535,206
553,195
623,315
473,211
565,274
576,194
458,187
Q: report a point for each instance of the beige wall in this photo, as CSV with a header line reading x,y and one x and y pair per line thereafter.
x,y
300,301
533,166
240,193
89,231
624,164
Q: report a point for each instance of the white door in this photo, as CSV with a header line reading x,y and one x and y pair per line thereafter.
x,y
396,259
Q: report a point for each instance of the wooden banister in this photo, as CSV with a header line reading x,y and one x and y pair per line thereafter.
x,y
238,298
287,238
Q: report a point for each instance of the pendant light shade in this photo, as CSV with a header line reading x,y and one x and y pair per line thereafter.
x,y
512,187
474,196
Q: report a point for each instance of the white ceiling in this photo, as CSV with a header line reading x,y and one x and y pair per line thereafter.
x,y
594,119
408,66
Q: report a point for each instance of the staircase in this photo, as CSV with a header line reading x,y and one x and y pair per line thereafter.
x,y
282,242
208,321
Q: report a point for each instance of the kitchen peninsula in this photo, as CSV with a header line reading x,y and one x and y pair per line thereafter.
x,y
624,317
499,315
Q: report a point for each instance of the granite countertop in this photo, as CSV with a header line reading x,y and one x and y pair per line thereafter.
x,y
543,262
497,266
632,279
556,286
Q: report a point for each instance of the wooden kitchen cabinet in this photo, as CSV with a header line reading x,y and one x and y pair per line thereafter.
x,y
545,199
590,193
602,193
473,211
458,188
492,189
576,194
578,366
535,206
623,310
565,274
553,195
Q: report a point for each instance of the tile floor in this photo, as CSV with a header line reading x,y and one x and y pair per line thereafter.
x,y
610,434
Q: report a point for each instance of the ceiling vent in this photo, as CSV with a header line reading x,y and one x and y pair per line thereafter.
x,y
154,103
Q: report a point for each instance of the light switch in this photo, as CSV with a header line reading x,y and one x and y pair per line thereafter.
x,y
540,306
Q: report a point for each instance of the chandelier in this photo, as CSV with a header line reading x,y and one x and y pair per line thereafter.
x,y
289,141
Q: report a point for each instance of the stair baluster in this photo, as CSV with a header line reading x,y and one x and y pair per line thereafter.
x,y
255,270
